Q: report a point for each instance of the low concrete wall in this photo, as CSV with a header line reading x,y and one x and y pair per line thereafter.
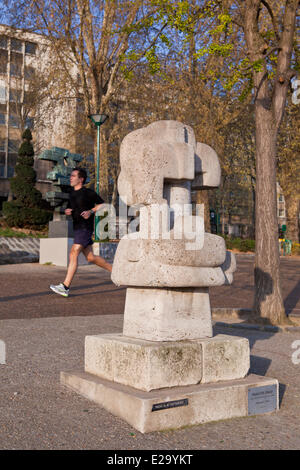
x,y
19,250
27,250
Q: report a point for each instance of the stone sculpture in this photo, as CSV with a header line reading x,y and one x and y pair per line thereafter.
x,y
168,297
167,370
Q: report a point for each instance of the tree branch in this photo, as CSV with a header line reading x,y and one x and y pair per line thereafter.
x,y
274,21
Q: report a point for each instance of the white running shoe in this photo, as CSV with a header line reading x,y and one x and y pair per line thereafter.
x,y
60,289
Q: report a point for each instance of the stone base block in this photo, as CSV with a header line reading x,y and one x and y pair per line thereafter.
x,y
166,314
149,365
176,407
61,229
56,251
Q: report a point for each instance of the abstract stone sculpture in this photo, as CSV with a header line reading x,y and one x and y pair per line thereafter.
x,y
168,296
166,370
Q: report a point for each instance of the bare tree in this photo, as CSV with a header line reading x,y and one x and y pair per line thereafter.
x,y
269,104
98,40
255,39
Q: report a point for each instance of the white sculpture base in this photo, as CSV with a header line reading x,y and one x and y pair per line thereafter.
x,y
167,314
57,250
165,385
173,408
148,365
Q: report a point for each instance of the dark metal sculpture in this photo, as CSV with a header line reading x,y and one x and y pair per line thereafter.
x,y
64,163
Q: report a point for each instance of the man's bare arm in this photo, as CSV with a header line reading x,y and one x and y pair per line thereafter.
x,y
87,214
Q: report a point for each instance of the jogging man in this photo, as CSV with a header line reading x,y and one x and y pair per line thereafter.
x,y
83,204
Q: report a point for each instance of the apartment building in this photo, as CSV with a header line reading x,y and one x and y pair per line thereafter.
x,y
24,58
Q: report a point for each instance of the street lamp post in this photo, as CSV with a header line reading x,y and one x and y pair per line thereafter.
x,y
98,120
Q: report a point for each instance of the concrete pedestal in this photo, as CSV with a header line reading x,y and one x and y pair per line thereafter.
x,y
173,408
56,251
149,365
165,385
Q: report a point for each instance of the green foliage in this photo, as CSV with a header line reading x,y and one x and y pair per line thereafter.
x,y
247,89
153,62
239,244
26,149
27,136
26,210
17,215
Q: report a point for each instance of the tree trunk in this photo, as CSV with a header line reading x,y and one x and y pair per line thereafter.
x,y
223,217
202,198
253,211
115,186
269,102
268,303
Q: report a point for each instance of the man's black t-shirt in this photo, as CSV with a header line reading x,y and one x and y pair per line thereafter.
x,y
83,199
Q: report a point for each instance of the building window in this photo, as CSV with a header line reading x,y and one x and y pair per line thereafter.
x,y
13,145
15,70
15,96
16,45
281,213
2,164
2,119
30,48
12,160
3,42
10,171
14,121
2,94
28,72
16,64
3,61
281,198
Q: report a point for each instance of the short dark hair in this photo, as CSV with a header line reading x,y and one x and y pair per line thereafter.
x,y
81,173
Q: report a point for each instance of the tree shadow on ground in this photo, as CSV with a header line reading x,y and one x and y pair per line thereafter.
x,y
258,365
292,298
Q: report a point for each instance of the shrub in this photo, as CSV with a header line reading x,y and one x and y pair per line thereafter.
x,y
239,244
247,245
27,208
17,215
296,249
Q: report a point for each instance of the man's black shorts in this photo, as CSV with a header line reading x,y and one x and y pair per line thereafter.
x,y
83,237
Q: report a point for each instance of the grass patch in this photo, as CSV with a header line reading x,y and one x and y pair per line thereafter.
x,y
6,231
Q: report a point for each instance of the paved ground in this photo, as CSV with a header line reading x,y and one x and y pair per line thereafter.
x,y
36,412
24,290
44,334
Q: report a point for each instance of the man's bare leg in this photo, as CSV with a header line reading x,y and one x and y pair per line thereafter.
x,y
73,263
88,253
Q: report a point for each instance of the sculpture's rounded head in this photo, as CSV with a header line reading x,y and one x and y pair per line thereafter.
x,y
162,150
207,168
